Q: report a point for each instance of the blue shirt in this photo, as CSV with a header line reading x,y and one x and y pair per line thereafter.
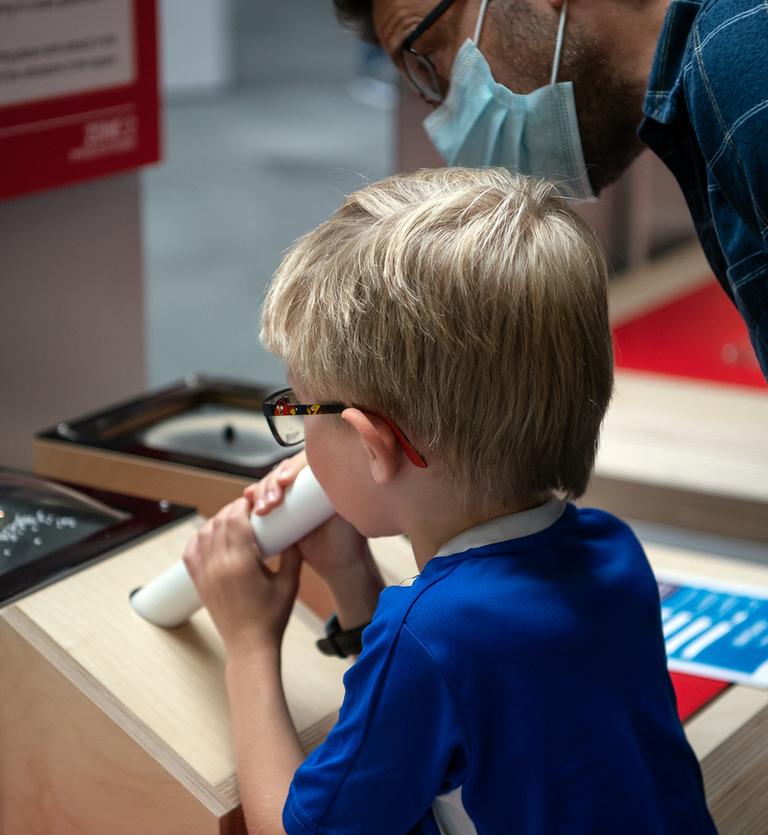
x,y
706,117
519,686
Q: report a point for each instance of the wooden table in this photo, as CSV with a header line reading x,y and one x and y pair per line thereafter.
x,y
730,735
677,451
112,725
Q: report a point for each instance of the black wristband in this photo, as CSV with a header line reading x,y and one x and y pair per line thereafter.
x,y
341,642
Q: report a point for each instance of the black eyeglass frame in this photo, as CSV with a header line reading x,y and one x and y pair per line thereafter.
x,y
435,95
275,402
271,406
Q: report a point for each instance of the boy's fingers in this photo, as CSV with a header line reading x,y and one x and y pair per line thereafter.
x,y
218,535
250,490
239,529
236,510
288,470
269,500
203,542
267,494
191,557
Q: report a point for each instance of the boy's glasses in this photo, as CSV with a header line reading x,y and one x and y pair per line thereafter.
x,y
285,418
421,71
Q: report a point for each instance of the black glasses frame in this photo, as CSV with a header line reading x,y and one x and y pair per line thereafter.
x,y
433,95
276,405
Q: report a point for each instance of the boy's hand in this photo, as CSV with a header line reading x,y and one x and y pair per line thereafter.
x,y
340,555
335,550
249,602
333,546
267,494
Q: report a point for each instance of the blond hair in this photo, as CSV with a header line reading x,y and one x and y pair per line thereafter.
x,y
469,307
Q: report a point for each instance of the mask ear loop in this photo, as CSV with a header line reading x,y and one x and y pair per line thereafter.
x,y
559,43
479,24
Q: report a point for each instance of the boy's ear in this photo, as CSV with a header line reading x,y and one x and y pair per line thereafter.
x,y
384,450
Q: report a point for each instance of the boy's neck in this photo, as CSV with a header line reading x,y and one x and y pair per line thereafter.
x,y
436,519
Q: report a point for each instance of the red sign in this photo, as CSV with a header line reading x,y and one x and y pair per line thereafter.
x,y
78,91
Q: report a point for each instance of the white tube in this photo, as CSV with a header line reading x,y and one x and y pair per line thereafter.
x,y
170,599
304,508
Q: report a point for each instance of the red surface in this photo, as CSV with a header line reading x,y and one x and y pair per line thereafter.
x,y
41,141
693,692
700,335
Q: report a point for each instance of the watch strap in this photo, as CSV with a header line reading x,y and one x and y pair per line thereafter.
x,y
341,642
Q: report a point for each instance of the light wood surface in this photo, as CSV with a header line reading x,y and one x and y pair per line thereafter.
x,y
688,434
730,735
65,767
149,478
685,453
676,451
162,691
108,722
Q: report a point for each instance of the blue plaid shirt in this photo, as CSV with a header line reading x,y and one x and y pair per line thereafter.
x,y
706,117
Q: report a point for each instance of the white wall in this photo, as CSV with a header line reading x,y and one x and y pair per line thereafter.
x,y
195,45
71,307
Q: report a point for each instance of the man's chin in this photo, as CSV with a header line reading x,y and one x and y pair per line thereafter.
x,y
613,164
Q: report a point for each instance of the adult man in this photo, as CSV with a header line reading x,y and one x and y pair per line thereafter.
x,y
690,74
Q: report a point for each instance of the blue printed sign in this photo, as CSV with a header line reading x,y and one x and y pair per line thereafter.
x,y
715,631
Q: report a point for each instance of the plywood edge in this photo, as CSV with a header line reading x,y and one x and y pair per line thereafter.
x,y
725,716
149,478
736,771
125,719
310,738
313,736
740,752
685,508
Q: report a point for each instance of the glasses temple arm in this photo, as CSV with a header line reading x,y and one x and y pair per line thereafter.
x,y
427,22
408,449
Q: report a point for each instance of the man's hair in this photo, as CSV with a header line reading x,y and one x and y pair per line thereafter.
x,y
357,15
469,307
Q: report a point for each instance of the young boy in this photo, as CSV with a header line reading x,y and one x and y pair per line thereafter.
x,y
457,321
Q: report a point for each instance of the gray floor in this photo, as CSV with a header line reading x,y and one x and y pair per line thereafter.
x,y
245,174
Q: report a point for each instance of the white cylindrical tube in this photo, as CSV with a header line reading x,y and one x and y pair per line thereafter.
x,y
170,599
304,508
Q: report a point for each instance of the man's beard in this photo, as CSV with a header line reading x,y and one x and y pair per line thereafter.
x,y
609,107
609,110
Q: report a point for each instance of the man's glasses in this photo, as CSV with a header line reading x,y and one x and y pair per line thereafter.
x,y
285,418
420,70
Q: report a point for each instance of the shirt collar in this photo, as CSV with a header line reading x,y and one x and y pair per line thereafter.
x,y
503,528
669,60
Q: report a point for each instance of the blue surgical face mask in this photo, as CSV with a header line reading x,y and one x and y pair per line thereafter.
x,y
482,123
